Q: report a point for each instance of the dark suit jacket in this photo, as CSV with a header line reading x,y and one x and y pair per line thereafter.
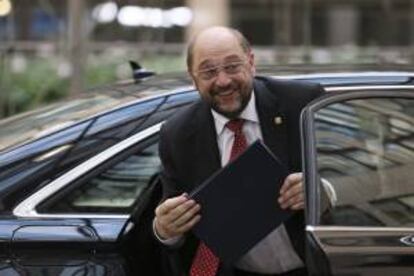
x,y
190,154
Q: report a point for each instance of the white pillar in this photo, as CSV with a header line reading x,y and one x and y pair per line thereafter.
x,y
77,43
207,13
342,25
282,21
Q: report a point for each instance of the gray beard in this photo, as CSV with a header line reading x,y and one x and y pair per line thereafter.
x,y
234,114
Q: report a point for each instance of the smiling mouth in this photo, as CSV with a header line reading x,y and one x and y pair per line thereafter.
x,y
227,96
225,93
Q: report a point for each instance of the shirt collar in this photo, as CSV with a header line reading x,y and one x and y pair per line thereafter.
x,y
249,113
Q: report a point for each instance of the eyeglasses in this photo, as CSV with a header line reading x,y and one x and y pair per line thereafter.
x,y
231,68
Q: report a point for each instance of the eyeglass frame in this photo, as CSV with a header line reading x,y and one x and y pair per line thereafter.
x,y
215,70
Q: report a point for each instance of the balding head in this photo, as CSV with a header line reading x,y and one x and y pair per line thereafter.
x,y
216,34
222,67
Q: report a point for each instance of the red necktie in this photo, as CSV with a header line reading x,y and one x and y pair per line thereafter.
x,y
205,263
240,143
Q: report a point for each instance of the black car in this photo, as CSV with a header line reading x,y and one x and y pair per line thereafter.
x,y
79,179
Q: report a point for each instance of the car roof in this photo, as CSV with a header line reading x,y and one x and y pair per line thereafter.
x,y
311,68
344,75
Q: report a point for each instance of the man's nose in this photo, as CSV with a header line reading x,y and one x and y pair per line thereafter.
x,y
222,79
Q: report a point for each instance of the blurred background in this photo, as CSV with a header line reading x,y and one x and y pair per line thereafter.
x,y
50,49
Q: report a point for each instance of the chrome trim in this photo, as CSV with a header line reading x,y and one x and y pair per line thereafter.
x,y
408,240
350,229
27,208
346,75
367,87
322,234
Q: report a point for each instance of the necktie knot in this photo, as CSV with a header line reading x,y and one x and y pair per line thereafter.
x,y
235,125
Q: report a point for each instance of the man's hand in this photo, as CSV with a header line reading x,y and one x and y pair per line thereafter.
x,y
291,193
175,216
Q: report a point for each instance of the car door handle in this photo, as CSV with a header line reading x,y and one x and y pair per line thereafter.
x,y
53,233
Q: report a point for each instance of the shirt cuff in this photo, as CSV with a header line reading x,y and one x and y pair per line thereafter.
x,y
172,242
330,191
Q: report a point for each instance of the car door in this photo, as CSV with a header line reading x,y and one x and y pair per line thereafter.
x,y
88,209
95,219
360,142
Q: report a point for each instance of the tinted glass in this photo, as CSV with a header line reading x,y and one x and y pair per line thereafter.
x,y
122,116
35,164
114,190
365,149
39,122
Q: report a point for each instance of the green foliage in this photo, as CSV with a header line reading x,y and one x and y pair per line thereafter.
x,y
98,75
39,82
161,64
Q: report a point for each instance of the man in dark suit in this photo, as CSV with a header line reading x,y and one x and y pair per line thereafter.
x,y
199,141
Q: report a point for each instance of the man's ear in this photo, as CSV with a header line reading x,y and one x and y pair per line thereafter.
x,y
191,75
252,63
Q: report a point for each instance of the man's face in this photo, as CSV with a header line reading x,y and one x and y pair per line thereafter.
x,y
223,73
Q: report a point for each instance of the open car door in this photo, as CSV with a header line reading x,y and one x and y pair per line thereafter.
x,y
361,143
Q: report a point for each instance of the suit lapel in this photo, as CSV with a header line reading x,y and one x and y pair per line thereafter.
x,y
272,121
206,152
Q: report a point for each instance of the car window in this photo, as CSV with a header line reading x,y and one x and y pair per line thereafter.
x,y
39,162
42,121
365,149
115,189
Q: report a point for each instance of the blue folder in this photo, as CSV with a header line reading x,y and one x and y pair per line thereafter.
x,y
239,204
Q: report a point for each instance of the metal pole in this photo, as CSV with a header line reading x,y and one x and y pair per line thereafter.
x,y
5,55
77,43
307,30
